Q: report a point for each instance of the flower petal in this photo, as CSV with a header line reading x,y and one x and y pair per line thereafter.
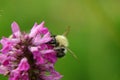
x,y
14,75
35,25
15,29
46,38
23,66
3,69
2,57
47,51
38,57
8,44
36,29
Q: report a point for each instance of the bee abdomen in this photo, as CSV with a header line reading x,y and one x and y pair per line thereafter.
x,y
60,51
59,55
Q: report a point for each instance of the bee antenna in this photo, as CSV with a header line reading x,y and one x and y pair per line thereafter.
x,y
73,54
66,31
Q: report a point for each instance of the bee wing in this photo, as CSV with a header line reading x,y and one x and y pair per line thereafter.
x,y
73,54
67,31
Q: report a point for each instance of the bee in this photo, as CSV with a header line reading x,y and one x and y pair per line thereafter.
x,y
60,43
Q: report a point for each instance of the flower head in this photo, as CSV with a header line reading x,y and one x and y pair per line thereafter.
x,y
27,56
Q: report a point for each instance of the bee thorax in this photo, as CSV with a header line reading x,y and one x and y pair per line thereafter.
x,y
62,40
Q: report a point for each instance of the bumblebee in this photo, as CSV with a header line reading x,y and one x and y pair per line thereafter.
x,y
60,43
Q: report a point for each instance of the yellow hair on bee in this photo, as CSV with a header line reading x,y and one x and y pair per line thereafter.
x,y
62,40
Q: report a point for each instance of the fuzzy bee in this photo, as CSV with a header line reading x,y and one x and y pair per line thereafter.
x,y
60,43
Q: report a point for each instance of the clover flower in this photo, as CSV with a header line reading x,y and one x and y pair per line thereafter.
x,y
27,56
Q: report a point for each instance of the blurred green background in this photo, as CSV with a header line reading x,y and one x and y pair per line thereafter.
x,y
94,35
